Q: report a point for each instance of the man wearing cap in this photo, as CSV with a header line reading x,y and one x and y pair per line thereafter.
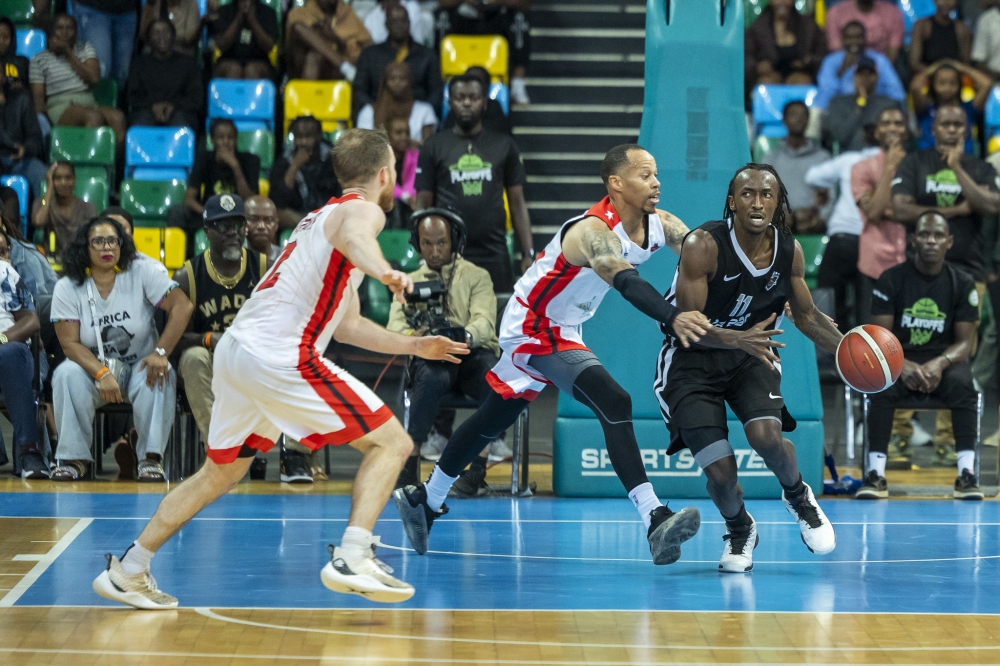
x,y
848,115
836,74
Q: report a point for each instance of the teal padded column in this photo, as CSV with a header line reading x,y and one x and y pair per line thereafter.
x,y
694,125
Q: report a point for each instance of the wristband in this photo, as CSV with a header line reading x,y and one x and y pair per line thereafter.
x,y
208,340
948,358
101,374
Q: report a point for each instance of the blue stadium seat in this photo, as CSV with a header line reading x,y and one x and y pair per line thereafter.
x,y
249,103
30,42
992,113
159,153
20,185
498,91
913,11
769,101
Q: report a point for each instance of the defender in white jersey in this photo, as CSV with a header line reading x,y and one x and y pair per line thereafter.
x,y
541,342
271,377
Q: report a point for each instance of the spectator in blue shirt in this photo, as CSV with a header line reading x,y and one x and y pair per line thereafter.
x,y
836,74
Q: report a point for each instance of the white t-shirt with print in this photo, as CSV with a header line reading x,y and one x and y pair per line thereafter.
x,y
421,115
14,295
125,317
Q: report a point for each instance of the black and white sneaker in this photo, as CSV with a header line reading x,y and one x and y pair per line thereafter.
x,y
472,482
737,555
874,487
417,517
295,467
668,530
815,528
366,577
33,465
967,487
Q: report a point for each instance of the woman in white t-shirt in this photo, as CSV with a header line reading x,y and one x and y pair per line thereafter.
x,y
104,277
395,100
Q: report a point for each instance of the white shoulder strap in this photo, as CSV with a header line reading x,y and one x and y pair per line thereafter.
x,y
93,315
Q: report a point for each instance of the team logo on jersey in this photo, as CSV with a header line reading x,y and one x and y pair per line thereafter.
x,y
773,280
471,171
923,320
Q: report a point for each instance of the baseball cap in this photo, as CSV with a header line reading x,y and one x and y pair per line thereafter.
x,y
221,206
864,62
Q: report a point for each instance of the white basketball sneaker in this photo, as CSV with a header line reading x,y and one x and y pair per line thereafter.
x,y
366,577
737,555
817,530
138,590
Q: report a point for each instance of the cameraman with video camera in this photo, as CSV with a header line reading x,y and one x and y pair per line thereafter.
x,y
454,298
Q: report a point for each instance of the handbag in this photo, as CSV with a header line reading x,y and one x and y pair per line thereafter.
x,y
120,369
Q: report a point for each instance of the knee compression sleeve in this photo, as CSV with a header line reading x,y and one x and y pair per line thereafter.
x,y
708,445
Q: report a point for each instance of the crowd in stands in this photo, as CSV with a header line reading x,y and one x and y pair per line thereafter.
x,y
112,325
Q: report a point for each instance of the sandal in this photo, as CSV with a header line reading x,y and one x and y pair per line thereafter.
x,y
151,471
126,457
71,470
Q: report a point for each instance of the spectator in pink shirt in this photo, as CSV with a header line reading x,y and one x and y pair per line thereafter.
x,y
882,20
882,244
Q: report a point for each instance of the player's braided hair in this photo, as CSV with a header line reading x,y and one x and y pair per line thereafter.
x,y
779,213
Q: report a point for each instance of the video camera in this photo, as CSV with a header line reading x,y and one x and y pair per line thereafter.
x,y
426,311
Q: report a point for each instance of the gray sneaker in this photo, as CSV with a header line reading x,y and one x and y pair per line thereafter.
x,y
874,487
668,530
138,590
367,577
417,517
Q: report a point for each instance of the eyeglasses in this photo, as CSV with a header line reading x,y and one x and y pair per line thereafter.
x,y
226,225
99,242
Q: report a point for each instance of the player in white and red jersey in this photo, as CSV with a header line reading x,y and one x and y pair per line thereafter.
x,y
541,343
271,378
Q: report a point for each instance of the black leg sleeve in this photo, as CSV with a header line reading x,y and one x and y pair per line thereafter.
x,y
957,390
492,418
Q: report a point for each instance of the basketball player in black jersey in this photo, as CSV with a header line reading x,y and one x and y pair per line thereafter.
x,y
740,272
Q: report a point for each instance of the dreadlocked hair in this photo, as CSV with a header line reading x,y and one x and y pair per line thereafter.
x,y
779,213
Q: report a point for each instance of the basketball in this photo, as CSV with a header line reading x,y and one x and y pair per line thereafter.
x,y
869,358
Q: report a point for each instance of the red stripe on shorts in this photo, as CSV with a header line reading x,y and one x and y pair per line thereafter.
x,y
228,456
358,419
505,391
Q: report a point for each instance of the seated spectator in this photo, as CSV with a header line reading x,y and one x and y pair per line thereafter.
x,y
109,26
60,211
164,87
494,118
471,305
21,143
942,82
35,271
124,218
882,21
244,33
845,121
323,40
18,322
395,100
303,179
424,63
939,37
508,18
184,15
15,66
792,159
836,74
10,205
262,226
222,170
469,168
986,44
782,46
115,327
62,77
407,153
932,308
377,23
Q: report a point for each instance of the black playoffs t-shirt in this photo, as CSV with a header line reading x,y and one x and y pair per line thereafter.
x,y
213,177
470,174
924,308
926,177
244,47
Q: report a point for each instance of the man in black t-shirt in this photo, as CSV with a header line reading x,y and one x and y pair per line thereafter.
x,y
932,308
303,180
468,168
244,33
962,187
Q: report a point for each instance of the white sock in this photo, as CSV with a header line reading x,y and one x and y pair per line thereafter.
x,y
876,461
966,460
136,559
437,488
645,500
355,543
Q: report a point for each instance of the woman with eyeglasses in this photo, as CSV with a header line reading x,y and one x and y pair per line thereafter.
x,y
104,279
59,210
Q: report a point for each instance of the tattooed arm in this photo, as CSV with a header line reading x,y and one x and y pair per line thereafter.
x,y
814,324
673,229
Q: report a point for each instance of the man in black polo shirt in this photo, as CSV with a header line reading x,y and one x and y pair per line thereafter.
x,y
468,168
932,307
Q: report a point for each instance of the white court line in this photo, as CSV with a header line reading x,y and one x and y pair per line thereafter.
x,y
207,612
36,571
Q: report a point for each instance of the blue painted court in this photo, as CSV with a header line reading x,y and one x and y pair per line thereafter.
x,y
265,551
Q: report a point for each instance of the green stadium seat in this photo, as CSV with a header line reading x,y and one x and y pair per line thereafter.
x,y
84,145
148,201
93,190
377,301
813,247
106,93
20,12
395,244
200,242
284,236
762,145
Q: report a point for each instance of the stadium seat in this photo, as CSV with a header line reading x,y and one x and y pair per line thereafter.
x,y
498,91
200,242
21,12
813,247
396,248
20,185
106,93
165,245
284,236
377,301
94,147
250,103
30,42
991,115
327,101
913,11
159,153
93,190
460,52
769,102
148,201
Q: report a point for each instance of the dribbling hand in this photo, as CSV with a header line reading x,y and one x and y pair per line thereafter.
x,y
757,341
690,326
439,348
399,283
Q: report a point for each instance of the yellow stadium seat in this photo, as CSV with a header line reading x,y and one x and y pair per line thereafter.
x,y
264,186
327,101
174,245
993,145
460,52
820,13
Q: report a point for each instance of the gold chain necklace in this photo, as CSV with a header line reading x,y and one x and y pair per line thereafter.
x,y
226,282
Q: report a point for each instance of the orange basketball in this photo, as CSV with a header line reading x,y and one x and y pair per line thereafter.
x,y
869,358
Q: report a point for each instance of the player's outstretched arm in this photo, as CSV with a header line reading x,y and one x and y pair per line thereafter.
x,y
673,229
361,332
352,228
814,324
